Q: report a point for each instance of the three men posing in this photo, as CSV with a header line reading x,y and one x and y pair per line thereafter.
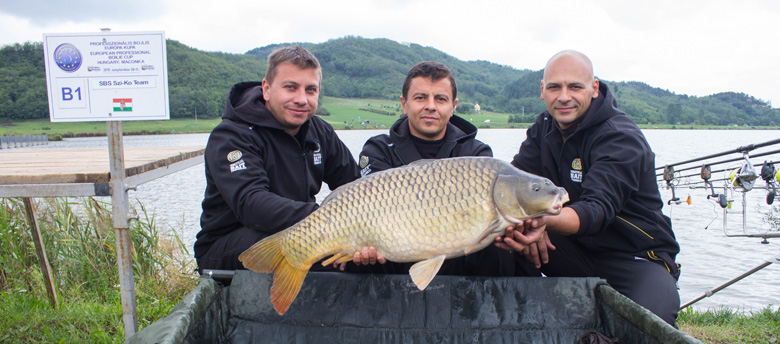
x,y
268,158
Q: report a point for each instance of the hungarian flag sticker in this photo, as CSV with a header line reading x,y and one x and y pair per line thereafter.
x,y
123,104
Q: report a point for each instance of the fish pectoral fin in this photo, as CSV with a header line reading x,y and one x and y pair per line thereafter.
x,y
494,226
344,259
424,271
338,258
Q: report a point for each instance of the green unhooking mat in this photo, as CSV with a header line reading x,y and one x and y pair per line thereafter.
x,y
356,308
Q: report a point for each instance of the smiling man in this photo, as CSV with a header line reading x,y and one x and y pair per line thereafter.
x,y
613,227
430,130
267,159
568,89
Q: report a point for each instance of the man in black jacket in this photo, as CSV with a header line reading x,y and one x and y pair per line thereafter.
x,y
267,159
430,130
613,227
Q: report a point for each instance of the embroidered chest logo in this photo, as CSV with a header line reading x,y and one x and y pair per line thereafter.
x,y
364,165
576,170
317,155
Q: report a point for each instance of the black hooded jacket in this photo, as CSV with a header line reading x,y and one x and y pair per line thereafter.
x,y
261,177
608,169
385,151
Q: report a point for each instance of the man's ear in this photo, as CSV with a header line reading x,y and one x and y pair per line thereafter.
x,y
266,86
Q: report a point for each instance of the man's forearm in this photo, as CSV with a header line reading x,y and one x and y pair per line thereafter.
x,y
565,223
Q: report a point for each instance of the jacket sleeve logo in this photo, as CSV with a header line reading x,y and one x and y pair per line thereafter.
x,y
234,156
237,166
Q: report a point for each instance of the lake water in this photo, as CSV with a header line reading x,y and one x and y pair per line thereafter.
x,y
708,256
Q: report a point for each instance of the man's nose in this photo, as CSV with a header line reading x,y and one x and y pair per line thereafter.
x,y
564,96
300,96
430,105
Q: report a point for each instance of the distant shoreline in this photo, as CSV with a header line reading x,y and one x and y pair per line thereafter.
x,y
60,130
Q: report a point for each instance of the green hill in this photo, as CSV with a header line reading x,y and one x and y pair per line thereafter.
x,y
355,67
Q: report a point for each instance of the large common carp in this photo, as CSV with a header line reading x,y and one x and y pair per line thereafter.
x,y
426,211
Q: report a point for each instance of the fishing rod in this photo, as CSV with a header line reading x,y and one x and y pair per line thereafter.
x,y
717,162
710,292
768,173
741,179
744,176
742,149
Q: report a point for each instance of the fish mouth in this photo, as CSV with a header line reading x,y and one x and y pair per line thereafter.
x,y
557,205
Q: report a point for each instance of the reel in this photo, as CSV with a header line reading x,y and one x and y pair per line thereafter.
x,y
706,174
669,177
744,177
771,177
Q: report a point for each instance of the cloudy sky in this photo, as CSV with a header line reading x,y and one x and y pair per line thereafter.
x,y
694,47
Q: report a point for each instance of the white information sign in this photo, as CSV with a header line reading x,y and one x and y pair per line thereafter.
x,y
106,76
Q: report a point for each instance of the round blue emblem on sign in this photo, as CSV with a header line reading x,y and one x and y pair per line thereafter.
x,y
68,58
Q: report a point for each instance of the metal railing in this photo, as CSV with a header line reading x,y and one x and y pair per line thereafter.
x,y
19,141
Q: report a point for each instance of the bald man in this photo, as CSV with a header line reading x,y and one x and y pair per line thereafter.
x,y
613,226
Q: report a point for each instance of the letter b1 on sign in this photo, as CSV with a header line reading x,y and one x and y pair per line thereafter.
x,y
72,94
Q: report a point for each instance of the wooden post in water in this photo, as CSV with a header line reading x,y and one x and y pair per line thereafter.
x,y
120,209
43,260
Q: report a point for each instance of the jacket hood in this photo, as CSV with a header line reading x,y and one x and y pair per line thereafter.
x,y
602,108
246,104
458,129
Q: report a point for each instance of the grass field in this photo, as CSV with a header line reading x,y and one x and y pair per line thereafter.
x,y
345,113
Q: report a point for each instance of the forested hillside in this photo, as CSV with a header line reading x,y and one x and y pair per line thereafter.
x,y
355,67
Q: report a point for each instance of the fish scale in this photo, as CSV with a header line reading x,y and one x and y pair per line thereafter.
x,y
424,212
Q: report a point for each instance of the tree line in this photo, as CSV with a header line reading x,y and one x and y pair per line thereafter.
x,y
355,67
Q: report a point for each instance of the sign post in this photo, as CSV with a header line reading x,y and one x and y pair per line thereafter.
x,y
110,77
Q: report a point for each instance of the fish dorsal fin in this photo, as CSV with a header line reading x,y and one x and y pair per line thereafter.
x,y
495,226
424,271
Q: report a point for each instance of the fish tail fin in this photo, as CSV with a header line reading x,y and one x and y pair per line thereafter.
x,y
267,256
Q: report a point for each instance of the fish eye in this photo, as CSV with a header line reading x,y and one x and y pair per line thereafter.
x,y
536,187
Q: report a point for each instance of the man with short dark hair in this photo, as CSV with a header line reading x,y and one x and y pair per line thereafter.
x,y
613,227
267,159
430,130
